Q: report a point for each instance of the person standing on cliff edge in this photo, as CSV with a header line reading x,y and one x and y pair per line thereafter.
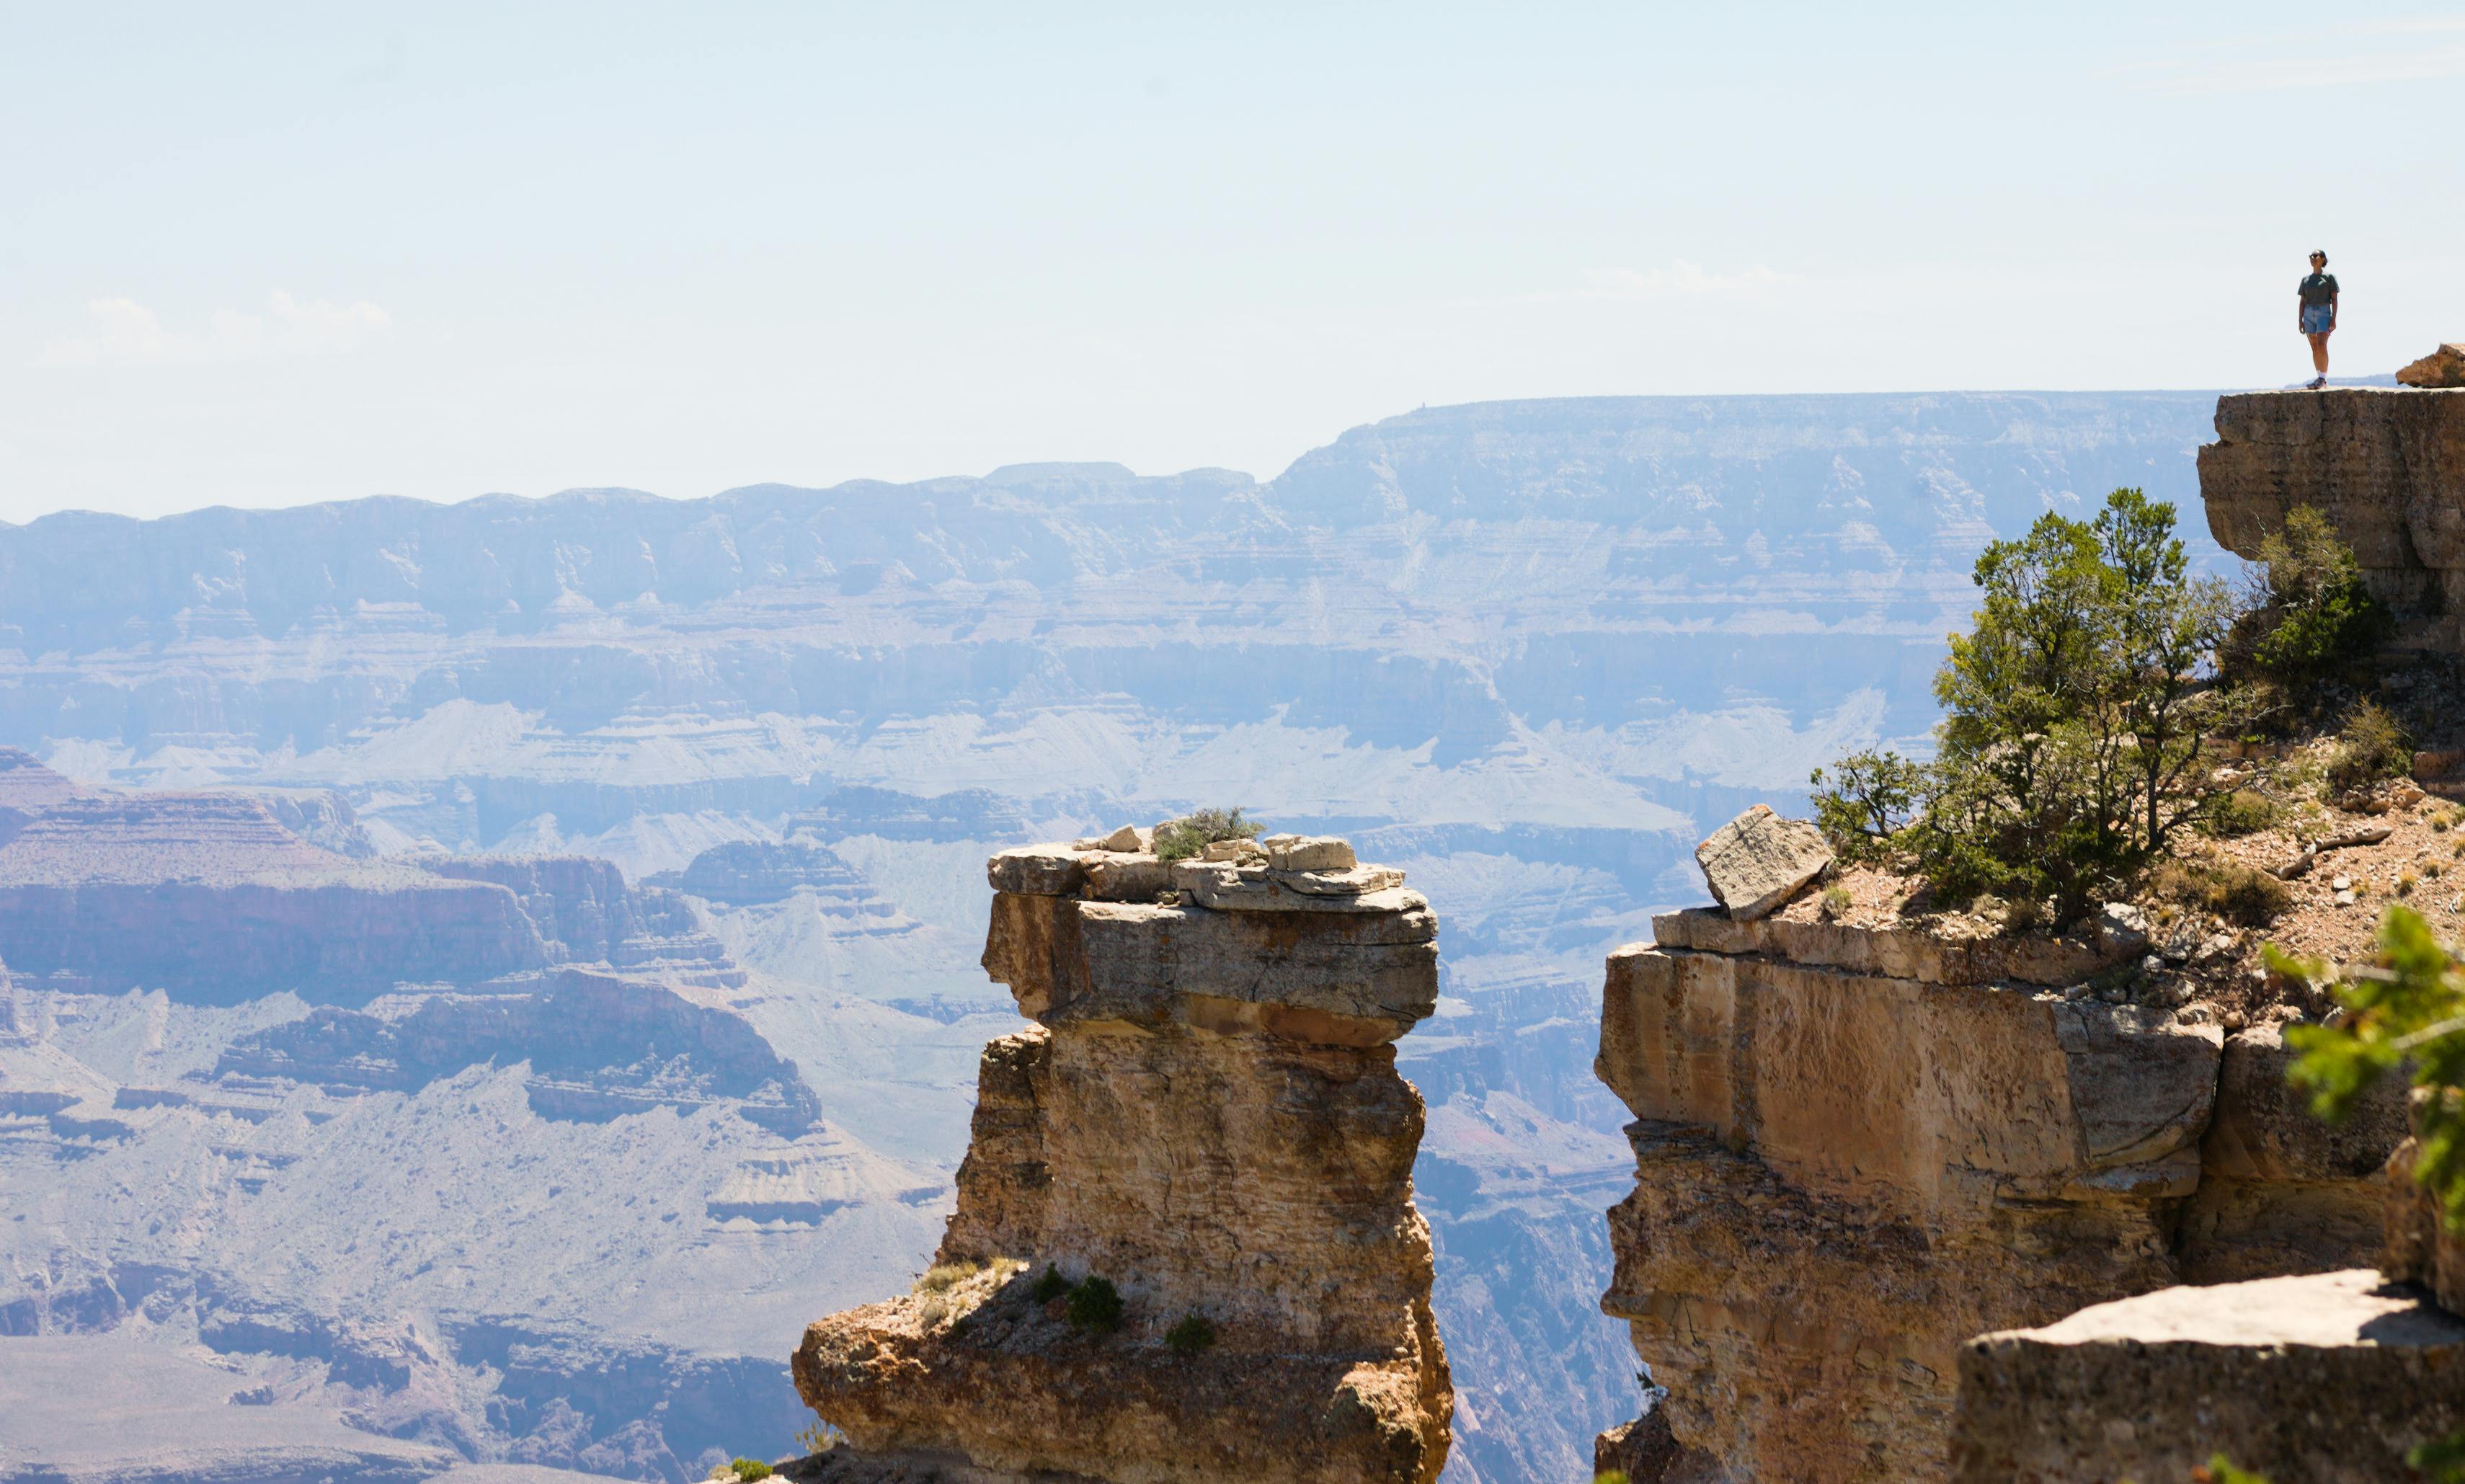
x,y
2318,318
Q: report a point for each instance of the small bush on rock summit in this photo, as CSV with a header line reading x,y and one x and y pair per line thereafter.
x,y
942,1278
2307,614
2234,892
1192,833
1190,1335
1096,1304
1871,797
746,1470
2241,812
2370,747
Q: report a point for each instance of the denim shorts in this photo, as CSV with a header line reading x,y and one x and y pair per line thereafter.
x,y
2316,317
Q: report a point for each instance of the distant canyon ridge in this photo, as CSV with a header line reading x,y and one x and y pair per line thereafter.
x,y
1528,651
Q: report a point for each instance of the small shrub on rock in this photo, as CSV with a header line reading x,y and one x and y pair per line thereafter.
x,y
1049,1287
2306,614
2370,747
2023,914
1864,800
1193,833
747,1470
1836,904
2231,815
1096,1305
1190,1335
942,1278
2234,892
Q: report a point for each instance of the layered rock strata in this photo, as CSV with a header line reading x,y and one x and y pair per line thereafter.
x,y
587,912
1856,1148
2386,467
1208,1118
206,895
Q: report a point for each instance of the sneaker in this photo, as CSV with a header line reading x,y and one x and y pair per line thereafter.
x,y
2317,382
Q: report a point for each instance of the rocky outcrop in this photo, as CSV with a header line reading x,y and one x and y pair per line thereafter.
x,y
2442,367
2330,1377
2387,468
1207,1116
1856,1148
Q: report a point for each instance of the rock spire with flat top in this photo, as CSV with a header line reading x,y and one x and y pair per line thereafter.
x,y
1184,1243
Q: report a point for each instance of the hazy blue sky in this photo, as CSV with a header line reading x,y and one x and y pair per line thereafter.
x,y
259,255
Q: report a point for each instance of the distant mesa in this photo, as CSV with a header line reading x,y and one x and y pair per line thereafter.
x,y
598,1047
858,810
753,873
27,785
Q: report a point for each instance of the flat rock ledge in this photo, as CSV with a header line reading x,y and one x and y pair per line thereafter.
x,y
1207,1116
2329,1378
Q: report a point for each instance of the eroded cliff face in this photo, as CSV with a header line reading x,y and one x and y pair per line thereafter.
x,y
1858,1148
1207,1116
2386,467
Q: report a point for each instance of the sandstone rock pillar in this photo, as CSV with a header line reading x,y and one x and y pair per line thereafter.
x,y
1206,1118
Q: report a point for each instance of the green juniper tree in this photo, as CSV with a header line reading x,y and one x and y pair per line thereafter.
x,y
2070,750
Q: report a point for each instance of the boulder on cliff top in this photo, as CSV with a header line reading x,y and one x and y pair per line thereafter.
x,y
2442,367
1758,861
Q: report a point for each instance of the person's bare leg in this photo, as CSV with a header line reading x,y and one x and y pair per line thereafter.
x,y
2319,352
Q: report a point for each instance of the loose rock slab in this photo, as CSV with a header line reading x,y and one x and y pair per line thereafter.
x,y
1758,861
2330,1377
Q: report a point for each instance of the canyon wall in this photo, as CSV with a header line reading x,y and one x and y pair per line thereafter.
x,y
390,1144
1527,650
1207,1118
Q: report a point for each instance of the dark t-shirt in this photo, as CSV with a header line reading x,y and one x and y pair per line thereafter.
x,y
2319,288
